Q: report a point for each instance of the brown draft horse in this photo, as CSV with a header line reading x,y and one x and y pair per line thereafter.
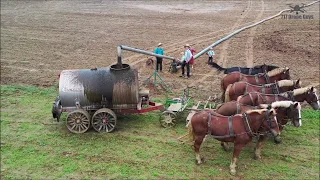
x,y
302,94
285,110
238,129
258,79
237,89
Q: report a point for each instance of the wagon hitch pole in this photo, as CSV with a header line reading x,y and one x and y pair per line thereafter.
x,y
155,74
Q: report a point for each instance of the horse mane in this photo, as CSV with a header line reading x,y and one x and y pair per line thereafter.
x,y
284,104
260,111
276,71
268,85
300,91
264,106
285,82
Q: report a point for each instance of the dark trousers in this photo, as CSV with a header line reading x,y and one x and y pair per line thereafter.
x,y
188,68
210,60
159,64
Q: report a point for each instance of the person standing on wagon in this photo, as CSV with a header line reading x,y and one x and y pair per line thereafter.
x,y
159,50
210,54
187,57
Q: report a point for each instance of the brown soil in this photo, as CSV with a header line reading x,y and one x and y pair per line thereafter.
x,y
41,38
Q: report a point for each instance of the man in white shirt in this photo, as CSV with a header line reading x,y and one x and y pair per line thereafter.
x,y
210,54
186,61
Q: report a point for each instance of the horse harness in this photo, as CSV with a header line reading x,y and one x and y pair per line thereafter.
x,y
246,119
230,128
290,95
265,75
263,99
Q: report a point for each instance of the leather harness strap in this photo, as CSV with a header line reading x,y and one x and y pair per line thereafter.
x,y
250,71
275,89
265,75
231,132
230,126
256,78
291,96
246,121
209,123
263,89
251,98
238,108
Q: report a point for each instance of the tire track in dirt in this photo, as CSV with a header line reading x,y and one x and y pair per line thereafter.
x,y
249,44
222,58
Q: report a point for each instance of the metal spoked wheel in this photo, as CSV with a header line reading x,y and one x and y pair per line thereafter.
x,y
168,119
78,121
104,120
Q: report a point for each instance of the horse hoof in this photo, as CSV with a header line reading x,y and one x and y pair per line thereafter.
x,y
277,140
233,173
257,157
198,163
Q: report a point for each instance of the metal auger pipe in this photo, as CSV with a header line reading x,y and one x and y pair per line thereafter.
x,y
244,28
120,47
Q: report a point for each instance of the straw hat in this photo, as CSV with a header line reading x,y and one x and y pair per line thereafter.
x,y
187,45
160,44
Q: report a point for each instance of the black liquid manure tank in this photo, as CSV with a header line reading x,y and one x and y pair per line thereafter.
x,y
92,89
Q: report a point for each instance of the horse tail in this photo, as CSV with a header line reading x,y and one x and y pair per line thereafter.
x,y
215,65
188,137
227,96
191,135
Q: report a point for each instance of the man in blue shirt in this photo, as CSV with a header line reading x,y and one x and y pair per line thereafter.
x,y
159,50
186,61
210,54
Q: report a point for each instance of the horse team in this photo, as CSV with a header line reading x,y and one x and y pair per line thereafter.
x,y
255,105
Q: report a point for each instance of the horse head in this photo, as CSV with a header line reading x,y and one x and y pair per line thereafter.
x,y
279,74
312,98
290,110
306,94
271,124
285,74
297,84
267,120
294,113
